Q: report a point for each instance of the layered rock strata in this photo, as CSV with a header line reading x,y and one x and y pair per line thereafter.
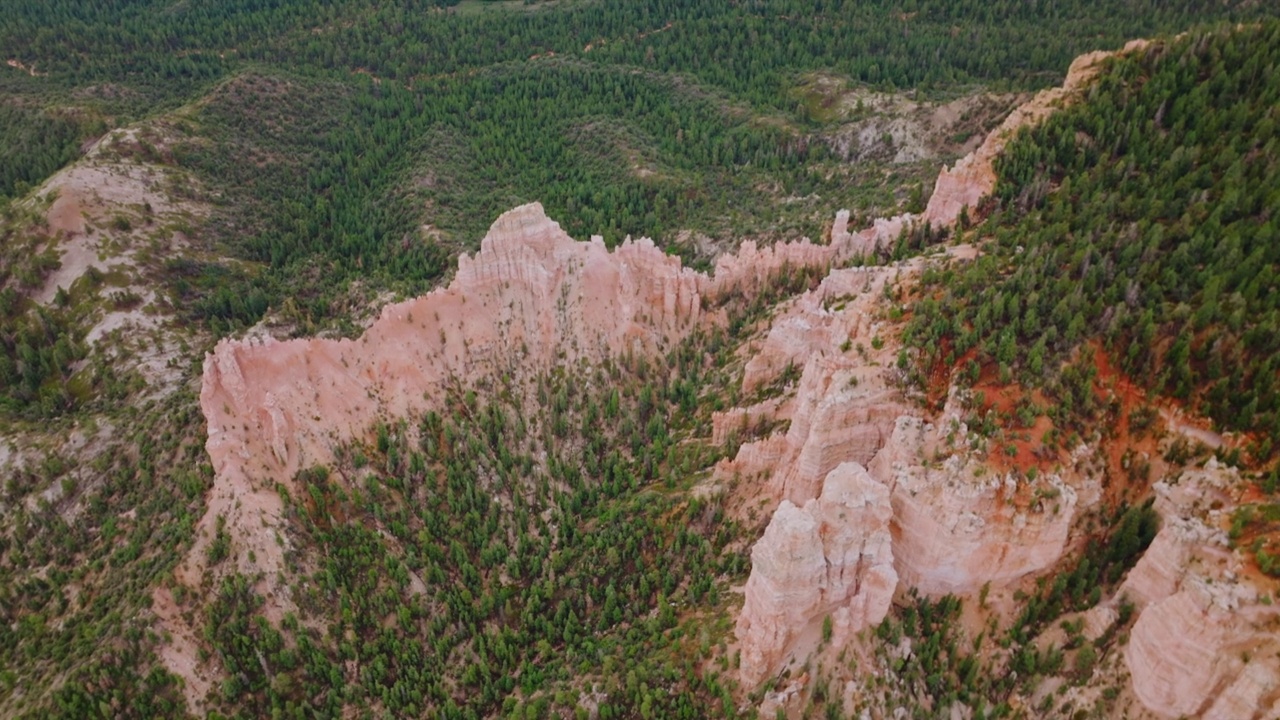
x,y
844,407
958,526
1205,641
954,526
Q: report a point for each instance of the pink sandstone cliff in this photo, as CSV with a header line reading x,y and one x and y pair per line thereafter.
x,y
954,527
958,526
530,297
843,408
1205,643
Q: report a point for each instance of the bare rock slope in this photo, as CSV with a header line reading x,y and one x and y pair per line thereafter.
x,y
954,527
1204,642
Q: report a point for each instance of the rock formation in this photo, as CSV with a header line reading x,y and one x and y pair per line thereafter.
x,y
831,557
532,297
973,177
1204,642
957,526
843,408
954,526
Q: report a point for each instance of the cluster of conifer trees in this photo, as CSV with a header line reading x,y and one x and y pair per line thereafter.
x,y
1145,218
465,577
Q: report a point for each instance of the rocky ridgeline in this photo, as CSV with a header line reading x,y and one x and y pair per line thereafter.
x,y
531,298
973,177
928,513
1204,642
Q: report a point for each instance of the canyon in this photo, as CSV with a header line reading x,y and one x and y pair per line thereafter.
x,y
868,495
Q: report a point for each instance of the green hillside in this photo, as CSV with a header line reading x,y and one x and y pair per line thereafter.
x,y
1147,219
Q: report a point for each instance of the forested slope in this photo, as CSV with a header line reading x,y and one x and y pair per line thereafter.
x,y
470,109
348,147
1146,220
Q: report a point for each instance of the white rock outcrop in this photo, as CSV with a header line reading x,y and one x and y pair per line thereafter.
x,y
958,526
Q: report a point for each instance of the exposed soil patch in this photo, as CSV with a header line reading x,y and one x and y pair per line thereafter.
x,y
1126,448
105,203
1028,443
180,652
65,215
77,255
901,127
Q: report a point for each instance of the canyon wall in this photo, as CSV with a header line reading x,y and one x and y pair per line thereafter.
x,y
955,526
958,525
530,298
